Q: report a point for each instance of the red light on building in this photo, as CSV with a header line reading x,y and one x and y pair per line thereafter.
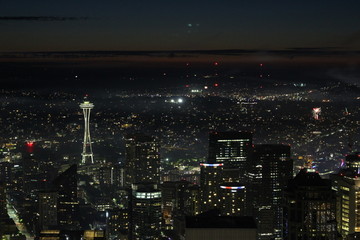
x,y
261,64
216,63
187,85
29,146
216,85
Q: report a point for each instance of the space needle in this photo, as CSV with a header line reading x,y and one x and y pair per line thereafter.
x,y
87,154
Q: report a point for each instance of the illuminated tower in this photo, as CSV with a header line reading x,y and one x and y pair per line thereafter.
x,y
146,211
234,150
210,180
142,159
87,154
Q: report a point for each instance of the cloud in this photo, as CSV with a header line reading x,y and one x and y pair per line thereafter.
x,y
286,53
40,18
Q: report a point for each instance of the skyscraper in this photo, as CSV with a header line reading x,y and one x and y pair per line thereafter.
x,y
3,208
178,199
347,186
210,180
233,149
272,168
142,159
309,208
87,154
48,209
68,206
118,221
6,174
233,199
146,212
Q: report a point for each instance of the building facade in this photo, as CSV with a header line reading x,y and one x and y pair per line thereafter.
x,y
309,208
142,159
146,212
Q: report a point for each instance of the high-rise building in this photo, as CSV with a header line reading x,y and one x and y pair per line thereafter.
x,y
68,206
3,208
105,175
309,208
48,209
210,180
6,175
37,173
178,199
192,202
233,149
352,163
87,153
347,186
272,168
111,175
142,159
118,223
233,199
146,212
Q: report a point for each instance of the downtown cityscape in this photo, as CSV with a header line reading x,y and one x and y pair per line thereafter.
x,y
186,120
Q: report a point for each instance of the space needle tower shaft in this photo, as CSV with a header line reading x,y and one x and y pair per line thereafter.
x,y
87,154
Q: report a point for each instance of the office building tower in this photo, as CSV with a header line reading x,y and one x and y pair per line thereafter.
x,y
210,180
146,212
48,209
232,199
271,170
347,186
212,226
192,201
37,172
30,170
117,176
68,206
87,153
6,174
3,207
142,159
234,150
309,208
179,198
118,223
111,175
105,175
352,163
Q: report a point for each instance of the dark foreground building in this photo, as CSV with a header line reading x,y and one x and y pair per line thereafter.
x,y
211,226
271,170
309,209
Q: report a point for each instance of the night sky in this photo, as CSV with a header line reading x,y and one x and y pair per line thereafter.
x,y
70,25
134,30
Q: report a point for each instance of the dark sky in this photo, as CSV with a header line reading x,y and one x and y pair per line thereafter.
x,y
77,25
75,36
138,31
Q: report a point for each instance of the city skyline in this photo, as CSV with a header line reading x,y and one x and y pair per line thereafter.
x,y
209,120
